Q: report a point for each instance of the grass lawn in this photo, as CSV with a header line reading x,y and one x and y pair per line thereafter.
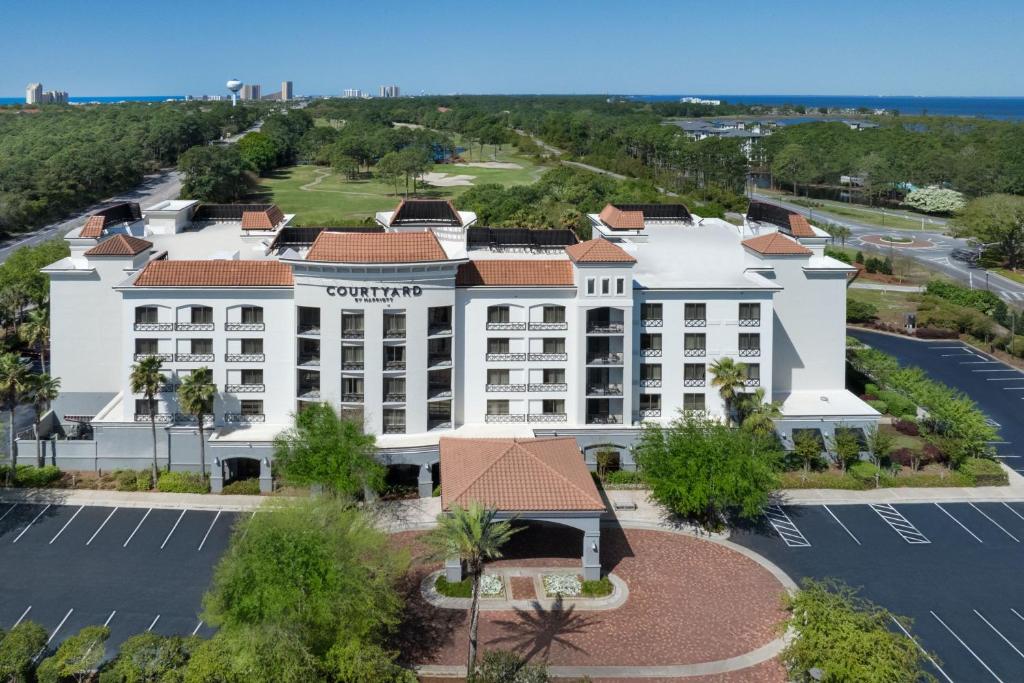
x,y
898,219
891,305
1015,275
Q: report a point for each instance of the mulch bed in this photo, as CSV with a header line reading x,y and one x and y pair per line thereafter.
x,y
522,588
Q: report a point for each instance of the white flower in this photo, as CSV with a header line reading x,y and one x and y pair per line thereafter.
x,y
491,585
567,585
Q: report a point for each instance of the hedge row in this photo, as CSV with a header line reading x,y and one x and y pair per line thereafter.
x,y
29,476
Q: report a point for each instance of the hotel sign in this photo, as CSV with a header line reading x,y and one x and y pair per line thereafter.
x,y
378,294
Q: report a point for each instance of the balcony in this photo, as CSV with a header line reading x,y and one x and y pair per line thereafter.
x,y
604,419
543,327
695,353
652,322
750,322
604,327
505,387
356,365
549,356
394,334
245,418
694,382
650,412
549,388
504,418
650,353
244,357
309,361
439,361
245,327
245,388
748,353
501,357
153,327
612,358
394,428
604,390
308,330
352,397
438,391
191,419
547,417
394,397
309,393
194,327
194,357
755,382
437,329
161,356
695,322
394,365
159,418
501,327
650,382
168,388
439,424
351,334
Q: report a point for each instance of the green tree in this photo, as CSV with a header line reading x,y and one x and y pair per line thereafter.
x,y
213,173
880,444
846,446
728,377
195,396
324,449
843,637
76,658
996,219
503,666
808,448
360,662
390,168
146,379
35,332
793,164
14,388
759,414
18,650
345,164
700,468
258,151
150,658
42,390
266,652
474,535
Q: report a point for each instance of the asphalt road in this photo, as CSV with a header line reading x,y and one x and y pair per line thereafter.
x,y
134,569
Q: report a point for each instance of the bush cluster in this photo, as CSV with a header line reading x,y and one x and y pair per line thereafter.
x,y
860,311
182,482
133,480
877,265
598,588
984,472
623,478
242,487
29,476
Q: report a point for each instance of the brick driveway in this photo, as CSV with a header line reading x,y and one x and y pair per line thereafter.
x,y
690,601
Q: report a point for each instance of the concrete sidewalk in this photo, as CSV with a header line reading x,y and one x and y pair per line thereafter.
x,y
132,499
886,288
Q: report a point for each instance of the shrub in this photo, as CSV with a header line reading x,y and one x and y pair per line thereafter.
x,y
897,403
839,255
624,478
870,388
597,589
436,493
860,311
18,649
905,457
182,482
502,666
859,258
879,405
984,472
980,300
907,426
243,487
459,589
865,472
30,476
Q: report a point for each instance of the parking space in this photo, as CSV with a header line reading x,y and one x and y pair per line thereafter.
x,y
134,569
953,568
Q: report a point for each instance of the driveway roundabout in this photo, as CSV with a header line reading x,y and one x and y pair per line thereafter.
x,y
898,241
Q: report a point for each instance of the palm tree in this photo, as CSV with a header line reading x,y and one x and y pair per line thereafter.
x,y
475,536
43,390
760,414
728,376
36,332
14,385
195,397
146,379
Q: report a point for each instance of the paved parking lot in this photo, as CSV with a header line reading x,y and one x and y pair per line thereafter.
x,y
134,569
952,567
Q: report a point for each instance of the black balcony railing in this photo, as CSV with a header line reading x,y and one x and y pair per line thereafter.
x,y
652,322
168,388
696,322
245,327
650,382
153,327
547,417
194,357
394,428
394,365
750,322
245,418
604,328
650,353
604,390
394,333
352,397
351,334
160,418
604,419
505,387
352,365
506,326
551,387
191,419
694,382
554,356
542,326
614,358
506,356
504,418
194,327
161,356
752,382
245,388
650,412
695,352
244,357
394,397
750,352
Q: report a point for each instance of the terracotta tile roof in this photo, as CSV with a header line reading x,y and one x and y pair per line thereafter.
x,y
215,273
517,474
93,227
617,219
515,272
384,247
268,219
120,245
799,227
776,244
598,251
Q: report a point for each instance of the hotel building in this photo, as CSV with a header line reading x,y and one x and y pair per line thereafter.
x,y
428,327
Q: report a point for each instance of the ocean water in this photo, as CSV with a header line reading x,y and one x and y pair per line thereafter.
x,y
985,107
103,100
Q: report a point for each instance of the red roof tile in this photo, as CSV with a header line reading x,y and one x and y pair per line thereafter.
x,y
120,245
776,244
93,227
617,219
384,247
517,475
799,227
514,273
215,273
267,219
598,251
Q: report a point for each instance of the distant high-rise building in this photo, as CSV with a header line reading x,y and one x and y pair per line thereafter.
x,y
55,97
286,91
250,92
34,93
352,92
389,91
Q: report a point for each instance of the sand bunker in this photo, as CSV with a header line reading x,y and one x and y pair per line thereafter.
x,y
507,165
445,180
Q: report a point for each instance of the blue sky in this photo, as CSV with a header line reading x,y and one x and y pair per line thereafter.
x,y
865,47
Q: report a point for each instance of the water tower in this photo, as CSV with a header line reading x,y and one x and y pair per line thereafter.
x,y
234,85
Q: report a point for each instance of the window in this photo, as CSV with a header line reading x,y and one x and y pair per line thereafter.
x,y
750,342
650,342
251,407
590,286
554,345
351,388
309,320
351,355
650,312
750,311
694,372
394,420
394,388
394,324
620,285
202,346
695,311
695,342
439,318
498,377
498,314
752,372
201,315
606,286
146,315
497,407
650,401
554,376
394,357
650,372
142,406
554,406
693,402
351,324
252,346
252,314
146,347
497,345
351,413
554,314
252,377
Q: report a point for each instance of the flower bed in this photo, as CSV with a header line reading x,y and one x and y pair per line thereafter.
x,y
565,585
491,586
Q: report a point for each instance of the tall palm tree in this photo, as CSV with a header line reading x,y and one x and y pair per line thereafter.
x,y
36,332
760,414
475,536
146,379
14,385
195,397
43,390
728,377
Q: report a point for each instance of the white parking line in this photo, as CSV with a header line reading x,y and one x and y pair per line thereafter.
x,y
959,522
995,370
198,626
841,524
137,527
1013,388
31,523
785,528
999,634
982,513
1017,613
203,542
900,524
110,618
29,609
923,651
66,525
59,625
9,510
959,640
1010,508
102,525
153,624
173,528
945,348
977,362
1002,379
